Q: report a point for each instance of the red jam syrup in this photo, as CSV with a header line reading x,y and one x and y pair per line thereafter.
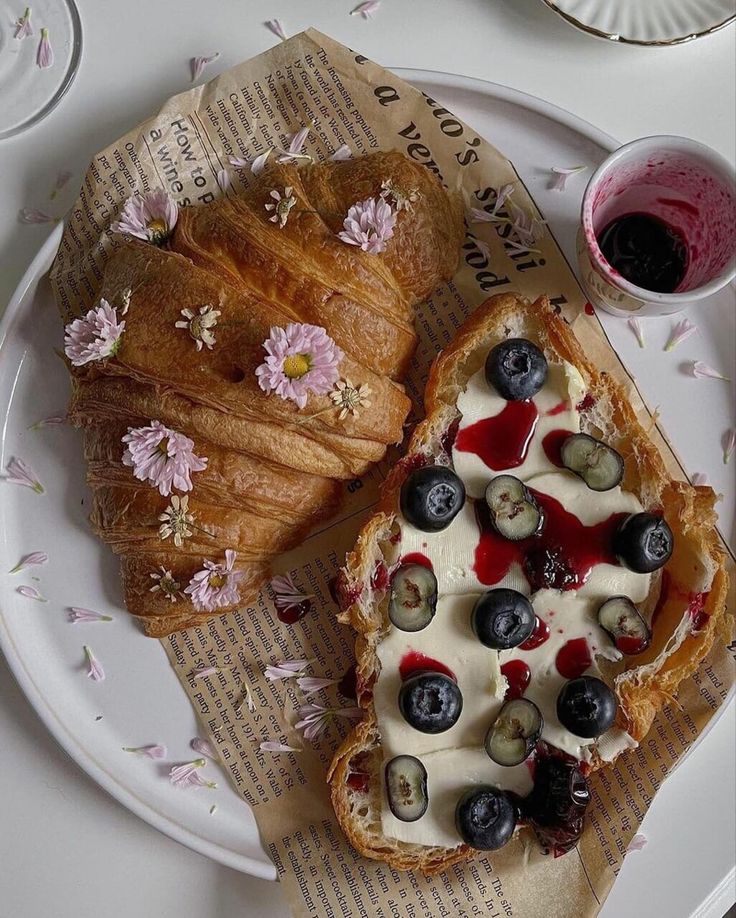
x,y
552,446
645,251
561,557
293,613
415,662
518,676
358,781
573,658
502,442
538,637
347,686
416,557
558,409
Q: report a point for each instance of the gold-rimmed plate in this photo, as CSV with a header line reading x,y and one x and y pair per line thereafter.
x,y
653,23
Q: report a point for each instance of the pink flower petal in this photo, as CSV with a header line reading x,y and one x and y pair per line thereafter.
x,y
701,370
187,775
277,27
561,175
680,333
77,615
204,673
34,215
20,473
162,457
208,596
54,421
94,336
30,593
154,751
259,163
151,216
199,63
310,684
729,442
204,747
223,179
45,55
342,154
35,557
23,27
636,327
637,843
94,668
300,341
275,746
62,178
369,224
367,9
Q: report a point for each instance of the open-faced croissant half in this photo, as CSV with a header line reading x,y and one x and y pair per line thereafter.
x,y
243,359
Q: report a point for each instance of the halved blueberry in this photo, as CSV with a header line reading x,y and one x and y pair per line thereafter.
x,y
628,630
502,618
516,369
406,788
431,498
413,597
643,542
598,464
515,732
430,702
485,818
515,514
586,706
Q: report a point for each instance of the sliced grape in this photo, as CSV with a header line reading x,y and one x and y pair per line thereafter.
x,y
515,732
406,788
628,630
413,597
598,464
515,514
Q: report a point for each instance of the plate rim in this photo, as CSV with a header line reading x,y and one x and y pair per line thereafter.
x,y
37,269
639,42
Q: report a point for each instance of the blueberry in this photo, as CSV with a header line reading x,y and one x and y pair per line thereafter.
x,y
502,619
627,629
516,369
406,788
430,702
413,597
586,707
431,498
485,818
643,542
556,805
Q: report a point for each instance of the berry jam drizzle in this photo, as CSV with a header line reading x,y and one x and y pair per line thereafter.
x,y
558,409
560,558
538,637
502,442
573,658
646,251
416,557
293,613
695,603
415,662
552,446
518,676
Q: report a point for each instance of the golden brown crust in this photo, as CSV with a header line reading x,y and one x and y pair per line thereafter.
x,y
697,565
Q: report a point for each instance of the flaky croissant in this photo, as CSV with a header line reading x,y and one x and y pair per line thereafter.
x,y
264,468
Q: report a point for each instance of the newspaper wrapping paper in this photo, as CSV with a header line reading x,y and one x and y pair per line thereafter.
x,y
348,99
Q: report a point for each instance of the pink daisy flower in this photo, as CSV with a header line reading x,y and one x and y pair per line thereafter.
x,y
216,585
151,217
94,336
300,359
162,457
369,224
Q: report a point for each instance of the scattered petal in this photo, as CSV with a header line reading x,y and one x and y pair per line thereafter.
x,y
199,63
246,700
287,669
94,668
23,27
560,176
34,215
54,421
367,9
482,247
156,751
277,27
729,442
45,55
35,557
679,333
342,154
637,843
20,473
699,478
30,593
286,593
310,684
62,178
259,163
636,327
204,747
223,179
204,673
294,151
164,458
216,585
77,615
151,216
299,359
95,336
187,775
314,718
369,224
274,746
701,370
240,162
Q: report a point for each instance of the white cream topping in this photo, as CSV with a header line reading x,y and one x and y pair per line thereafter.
x,y
456,759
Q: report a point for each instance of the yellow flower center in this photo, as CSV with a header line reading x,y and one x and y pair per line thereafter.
x,y
157,229
163,447
296,365
216,581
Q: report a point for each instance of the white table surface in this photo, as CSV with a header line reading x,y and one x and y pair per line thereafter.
x,y
66,848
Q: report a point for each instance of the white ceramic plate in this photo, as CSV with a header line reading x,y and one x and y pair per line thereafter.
x,y
646,22
141,701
